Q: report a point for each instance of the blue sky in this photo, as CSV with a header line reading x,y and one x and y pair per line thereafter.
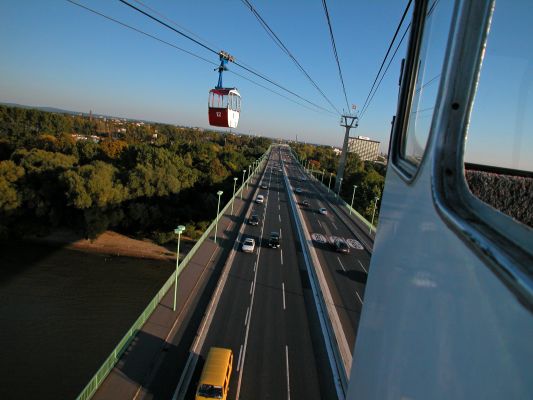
x,y
57,54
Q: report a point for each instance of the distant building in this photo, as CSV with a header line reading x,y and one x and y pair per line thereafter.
x,y
366,148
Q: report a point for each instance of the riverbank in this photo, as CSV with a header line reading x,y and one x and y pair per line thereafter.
x,y
65,304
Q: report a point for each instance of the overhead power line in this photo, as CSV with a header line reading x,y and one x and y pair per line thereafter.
x,y
284,48
187,52
387,54
252,71
335,52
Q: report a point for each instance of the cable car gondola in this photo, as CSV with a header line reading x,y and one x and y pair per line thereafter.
x,y
224,103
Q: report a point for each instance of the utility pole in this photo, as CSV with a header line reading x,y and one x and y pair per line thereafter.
x,y
349,122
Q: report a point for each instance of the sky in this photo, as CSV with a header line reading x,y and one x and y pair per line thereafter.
x,y
60,55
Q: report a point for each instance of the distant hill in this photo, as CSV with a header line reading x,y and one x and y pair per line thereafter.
x,y
53,109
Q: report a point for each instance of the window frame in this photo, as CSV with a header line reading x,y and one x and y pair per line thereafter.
x,y
405,169
502,243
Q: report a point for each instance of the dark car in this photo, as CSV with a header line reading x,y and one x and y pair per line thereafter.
x,y
273,241
340,246
253,220
306,203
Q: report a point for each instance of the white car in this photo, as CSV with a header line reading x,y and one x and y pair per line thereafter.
x,y
323,211
248,246
298,190
260,199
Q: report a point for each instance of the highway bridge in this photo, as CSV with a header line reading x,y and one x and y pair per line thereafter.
x,y
290,314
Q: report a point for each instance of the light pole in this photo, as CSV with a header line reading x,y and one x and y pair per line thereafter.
x,y
340,184
353,195
329,183
233,198
179,230
248,183
374,213
218,208
323,172
242,188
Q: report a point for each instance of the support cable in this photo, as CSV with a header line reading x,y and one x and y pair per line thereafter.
x,y
363,110
387,53
335,52
188,52
284,48
217,53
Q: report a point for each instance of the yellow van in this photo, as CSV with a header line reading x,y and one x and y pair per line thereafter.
x,y
214,381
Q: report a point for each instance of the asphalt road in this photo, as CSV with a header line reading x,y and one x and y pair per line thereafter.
x,y
345,274
265,312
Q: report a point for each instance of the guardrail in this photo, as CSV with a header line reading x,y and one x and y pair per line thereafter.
x,y
122,346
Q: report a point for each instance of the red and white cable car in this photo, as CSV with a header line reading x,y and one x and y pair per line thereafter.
x,y
224,103
224,107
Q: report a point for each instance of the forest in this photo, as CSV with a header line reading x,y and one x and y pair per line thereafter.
x,y
92,174
368,176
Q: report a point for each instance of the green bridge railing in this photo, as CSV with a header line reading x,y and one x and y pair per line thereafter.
x,y
122,346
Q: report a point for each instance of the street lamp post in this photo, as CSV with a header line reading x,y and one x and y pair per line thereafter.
x,y
218,208
179,230
323,172
374,212
353,195
248,183
242,188
233,198
340,184
329,183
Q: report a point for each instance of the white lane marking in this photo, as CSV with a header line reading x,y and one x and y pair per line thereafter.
x,y
246,318
239,382
281,254
320,224
335,226
359,297
279,217
279,207
283,290
342,266
240,358
288,381
255,265
251,287
362,266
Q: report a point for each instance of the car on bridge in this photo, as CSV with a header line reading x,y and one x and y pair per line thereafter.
x,y
306,203
340,246
323,211
273,241
298,190
254,220
260,199
248,246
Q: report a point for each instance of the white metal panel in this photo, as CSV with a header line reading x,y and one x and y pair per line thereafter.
x,y
437,323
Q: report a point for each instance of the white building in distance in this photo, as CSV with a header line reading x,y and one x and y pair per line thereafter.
x,y
366,148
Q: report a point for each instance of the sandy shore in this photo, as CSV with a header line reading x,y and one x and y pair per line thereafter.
x,y
116,244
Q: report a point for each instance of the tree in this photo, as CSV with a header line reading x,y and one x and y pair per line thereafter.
x,y
10,197
94,185
112,149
